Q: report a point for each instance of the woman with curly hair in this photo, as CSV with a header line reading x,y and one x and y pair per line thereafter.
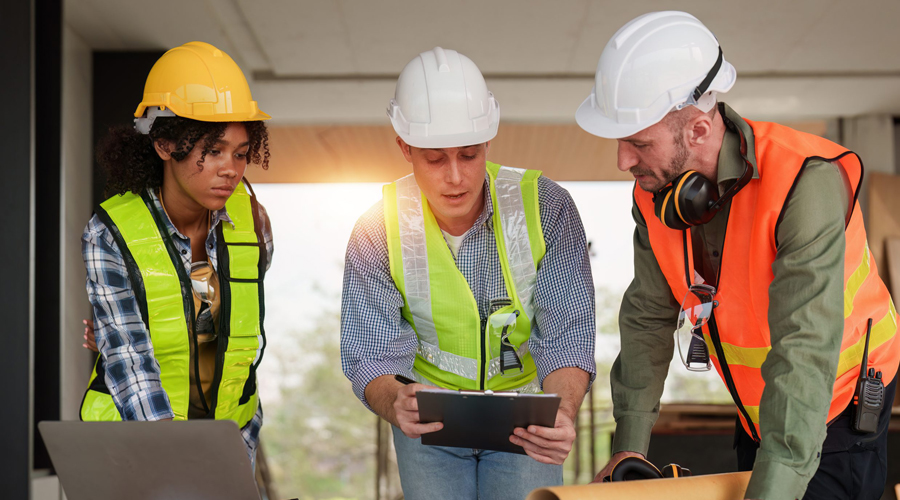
x,y
176,256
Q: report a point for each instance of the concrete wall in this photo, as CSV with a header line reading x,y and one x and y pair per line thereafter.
x,y
77,165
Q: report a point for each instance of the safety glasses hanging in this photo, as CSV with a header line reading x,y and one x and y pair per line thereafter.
x,y
502,326
509,358
202,288
689,334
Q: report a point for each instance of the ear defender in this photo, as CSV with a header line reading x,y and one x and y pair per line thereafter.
x,y
675,470
636,468
686,202
633,469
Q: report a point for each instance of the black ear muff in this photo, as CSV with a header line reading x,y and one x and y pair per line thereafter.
x,y
675,470
664,207
694,196
633,469
686,202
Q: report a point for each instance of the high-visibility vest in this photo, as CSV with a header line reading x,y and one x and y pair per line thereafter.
x,y
456,349
163,291
737,334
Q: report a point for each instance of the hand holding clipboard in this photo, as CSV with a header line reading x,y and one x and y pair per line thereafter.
x,y
482,420
406,410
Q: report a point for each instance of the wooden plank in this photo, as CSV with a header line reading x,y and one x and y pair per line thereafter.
x,y
369,153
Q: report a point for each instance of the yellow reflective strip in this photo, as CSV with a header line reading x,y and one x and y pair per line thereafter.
x,y
245,337
882,331
240,210
855,282
753,412
751,357
99,407
165,305
244,262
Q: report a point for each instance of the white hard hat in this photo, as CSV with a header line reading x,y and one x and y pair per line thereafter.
x,y
656,62
441,101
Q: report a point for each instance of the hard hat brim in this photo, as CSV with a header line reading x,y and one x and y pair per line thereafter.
x,y
593,122
449,141
253,116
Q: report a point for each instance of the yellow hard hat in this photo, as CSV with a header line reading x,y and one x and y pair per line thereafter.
x,y
200,82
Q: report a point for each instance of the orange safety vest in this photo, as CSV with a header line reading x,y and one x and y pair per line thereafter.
x,y
738,331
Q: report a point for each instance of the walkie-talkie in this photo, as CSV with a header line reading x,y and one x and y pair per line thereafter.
x,y
869,396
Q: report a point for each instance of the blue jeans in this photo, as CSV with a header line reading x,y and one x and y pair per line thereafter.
x,y
432,472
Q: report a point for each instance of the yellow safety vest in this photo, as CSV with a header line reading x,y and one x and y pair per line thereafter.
x,y
163,290
456,349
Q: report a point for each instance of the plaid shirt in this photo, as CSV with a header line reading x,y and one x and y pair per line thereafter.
x,y
376,340
132,373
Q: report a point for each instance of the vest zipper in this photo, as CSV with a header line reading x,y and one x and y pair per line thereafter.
x,y
483,353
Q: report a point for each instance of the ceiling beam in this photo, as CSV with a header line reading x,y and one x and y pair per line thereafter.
x,y
313,102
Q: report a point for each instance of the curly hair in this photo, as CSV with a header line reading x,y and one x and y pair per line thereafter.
x,y
132,164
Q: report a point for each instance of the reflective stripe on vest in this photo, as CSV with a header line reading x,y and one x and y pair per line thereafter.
x,y
415,259
750,248
438,303
459,365
160,282
516,242
237,397
533,387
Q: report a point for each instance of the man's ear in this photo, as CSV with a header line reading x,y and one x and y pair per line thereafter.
x,y
405,148
699,129
487,147
163,149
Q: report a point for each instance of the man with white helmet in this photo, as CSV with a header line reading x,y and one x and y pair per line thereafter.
x,y
467,275
783,307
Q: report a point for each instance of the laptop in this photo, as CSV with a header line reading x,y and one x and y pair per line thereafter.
x,y
193,460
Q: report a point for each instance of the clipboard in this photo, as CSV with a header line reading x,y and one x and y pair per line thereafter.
x,y
483,420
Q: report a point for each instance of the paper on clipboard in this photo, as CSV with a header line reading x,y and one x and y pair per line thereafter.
x,y
483,420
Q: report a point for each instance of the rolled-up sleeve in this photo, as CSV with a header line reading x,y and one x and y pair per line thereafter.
x,y
375,339
564,333
132,373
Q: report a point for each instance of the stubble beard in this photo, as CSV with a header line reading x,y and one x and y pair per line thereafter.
x,y
668,173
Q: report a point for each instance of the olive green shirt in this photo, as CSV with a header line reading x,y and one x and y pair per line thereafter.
x,y
805,323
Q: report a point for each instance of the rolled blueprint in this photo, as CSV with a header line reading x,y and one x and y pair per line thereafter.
x,y
729,486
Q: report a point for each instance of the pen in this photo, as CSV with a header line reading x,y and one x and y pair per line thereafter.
x,y
404,380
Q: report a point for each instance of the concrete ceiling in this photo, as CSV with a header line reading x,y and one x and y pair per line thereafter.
x,y
335,61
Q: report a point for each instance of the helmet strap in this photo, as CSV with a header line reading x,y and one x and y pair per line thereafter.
x,y
701,89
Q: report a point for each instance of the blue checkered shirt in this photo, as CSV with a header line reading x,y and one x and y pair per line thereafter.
x,y
132,373
376,340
